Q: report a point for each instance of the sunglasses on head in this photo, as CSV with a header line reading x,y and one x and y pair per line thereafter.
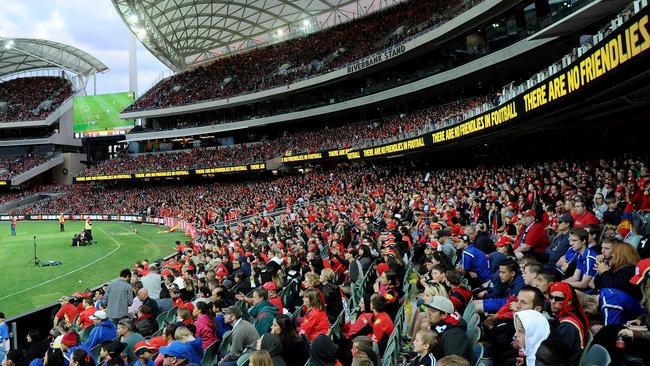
x,y
557,298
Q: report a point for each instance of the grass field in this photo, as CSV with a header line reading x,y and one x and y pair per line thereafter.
x,y
101,112
25,286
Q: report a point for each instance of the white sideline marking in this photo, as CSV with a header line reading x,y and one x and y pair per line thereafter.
x,y
71,272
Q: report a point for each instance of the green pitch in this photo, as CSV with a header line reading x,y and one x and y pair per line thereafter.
x,y
101,112
25,287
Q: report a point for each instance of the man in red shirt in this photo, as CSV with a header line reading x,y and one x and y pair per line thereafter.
x,y
533,238
84,316
67,312
582,217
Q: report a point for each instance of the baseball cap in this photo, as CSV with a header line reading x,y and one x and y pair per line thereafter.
x,y
142,347
441,303
566,218
70,339
65,298
99,314
529,212
270,286
620,189
234,310
504,240
175,349
641,272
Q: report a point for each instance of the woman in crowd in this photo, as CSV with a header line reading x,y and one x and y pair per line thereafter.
x,y
315,321
332,294
295,350
260,358
273,345
146,324
205,326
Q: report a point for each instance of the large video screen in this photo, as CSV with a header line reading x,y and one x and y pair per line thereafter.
x,y
98,115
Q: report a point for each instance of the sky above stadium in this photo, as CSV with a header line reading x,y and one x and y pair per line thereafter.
x,y
90,25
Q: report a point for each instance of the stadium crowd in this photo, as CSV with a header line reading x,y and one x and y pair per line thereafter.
x,y
15,165
37,98
262,68
507,258
343,136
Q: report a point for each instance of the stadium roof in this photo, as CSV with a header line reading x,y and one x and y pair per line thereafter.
x,y
181,33
27,54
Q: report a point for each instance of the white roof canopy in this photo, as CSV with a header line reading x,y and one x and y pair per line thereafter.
x,y
27,54
182,33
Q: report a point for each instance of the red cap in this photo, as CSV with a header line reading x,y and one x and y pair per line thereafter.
x,y
187,305
433,244
381,268
530,212
166,272
70,339
270,286
642,271
391,225
620,189
504,240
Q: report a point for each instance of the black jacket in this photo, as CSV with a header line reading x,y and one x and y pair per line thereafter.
x,y
453,340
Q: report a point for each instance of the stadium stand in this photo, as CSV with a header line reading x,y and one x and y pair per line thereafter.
x,y
307,56
421,259
15,165
38,97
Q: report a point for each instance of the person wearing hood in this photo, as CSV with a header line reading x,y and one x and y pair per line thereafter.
x,y
531,329
104,330
323,352
574,324
263,312
273,345
362,347
451,329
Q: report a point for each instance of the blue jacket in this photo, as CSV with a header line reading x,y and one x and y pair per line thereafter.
x,y
194,350
103,331
503,290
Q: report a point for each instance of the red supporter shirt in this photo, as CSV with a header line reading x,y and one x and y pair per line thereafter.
x,y
382,326
67,312
277,301
84,316
585,219
536,238
314,324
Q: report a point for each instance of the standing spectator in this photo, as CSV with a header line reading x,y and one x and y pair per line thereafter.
x,y
4,337
119,296
244,336
152,282
14,220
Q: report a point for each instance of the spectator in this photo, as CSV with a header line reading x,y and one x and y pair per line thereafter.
x,y
125,330
119,296
295,350
450,327
146,324
143,296
323,352
144,352
175,354
315,321
244,336
104,330
67,312
205,326
273,345
531,330
194,348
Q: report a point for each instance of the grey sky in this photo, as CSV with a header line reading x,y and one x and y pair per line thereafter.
x,y
91,25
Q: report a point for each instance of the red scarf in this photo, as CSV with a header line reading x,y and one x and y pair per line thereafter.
x,y
567,314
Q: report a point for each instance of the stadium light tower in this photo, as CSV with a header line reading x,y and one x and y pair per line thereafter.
x,y
133,64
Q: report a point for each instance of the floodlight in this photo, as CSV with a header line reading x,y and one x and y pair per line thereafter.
x,y
133,18
9,44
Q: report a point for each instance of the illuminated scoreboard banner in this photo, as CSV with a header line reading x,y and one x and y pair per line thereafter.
x,y
322,155
629,42
5,183
174,173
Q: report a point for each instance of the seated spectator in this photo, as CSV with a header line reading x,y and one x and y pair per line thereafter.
x,y
273,345
382,324
244,336
295,349
204,323
473,263
424,343
37,345
145,323
585,258
104,330
175,354
531,329
315,321
508,284
573,323
263,312
125,330
450,327
144,352
532,239
193,345
323,352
